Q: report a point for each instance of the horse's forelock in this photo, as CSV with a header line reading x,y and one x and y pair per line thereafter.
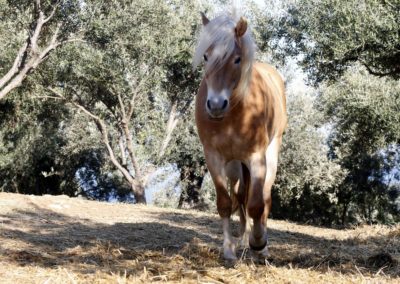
x,y
220,35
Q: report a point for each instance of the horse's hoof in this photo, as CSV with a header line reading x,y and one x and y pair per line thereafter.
x,y
260,256
259,252
230,251
229,255
229,263
258,245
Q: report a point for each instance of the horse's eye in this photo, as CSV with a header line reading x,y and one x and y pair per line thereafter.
x,y
205,58
237,60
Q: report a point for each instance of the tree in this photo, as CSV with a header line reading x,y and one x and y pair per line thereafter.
x,y
328,36
135,84
346,47
187,152
47,26
364,112
123,80
305,187
27,154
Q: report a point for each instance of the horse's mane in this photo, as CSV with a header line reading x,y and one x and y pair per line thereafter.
x,y
220,34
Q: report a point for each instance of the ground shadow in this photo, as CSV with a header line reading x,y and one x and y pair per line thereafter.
x,y
372,255
171,242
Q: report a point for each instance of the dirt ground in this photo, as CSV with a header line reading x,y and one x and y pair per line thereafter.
x,y
56,239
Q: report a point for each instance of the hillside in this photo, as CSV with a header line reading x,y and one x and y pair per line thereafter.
x,y
56,239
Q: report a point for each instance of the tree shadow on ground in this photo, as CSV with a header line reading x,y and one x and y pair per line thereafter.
x,y
373,254
173,242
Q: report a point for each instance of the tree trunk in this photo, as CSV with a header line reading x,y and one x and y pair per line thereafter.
x,y
139,194
129,146
171,124
344,213
122,150
191,195
136,184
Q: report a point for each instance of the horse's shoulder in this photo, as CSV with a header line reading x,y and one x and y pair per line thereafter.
x,y
265,68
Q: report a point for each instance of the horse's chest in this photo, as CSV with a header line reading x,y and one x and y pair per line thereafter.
x,y
237,140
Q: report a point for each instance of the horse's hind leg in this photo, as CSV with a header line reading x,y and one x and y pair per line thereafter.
x,y
244,218
216,166
239,178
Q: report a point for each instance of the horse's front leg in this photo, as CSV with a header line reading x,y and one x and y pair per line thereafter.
x,y
216,166
256,203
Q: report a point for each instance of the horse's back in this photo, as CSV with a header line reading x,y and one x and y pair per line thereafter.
x,y
274,91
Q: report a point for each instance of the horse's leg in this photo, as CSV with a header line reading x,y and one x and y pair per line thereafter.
x,y
234,171
271,160
216,166
255,204
244,218
272,165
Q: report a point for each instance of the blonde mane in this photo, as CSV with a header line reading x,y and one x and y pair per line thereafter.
x,y
220,34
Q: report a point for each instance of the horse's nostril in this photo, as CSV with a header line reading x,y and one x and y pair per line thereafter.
x,y
225,104
208,104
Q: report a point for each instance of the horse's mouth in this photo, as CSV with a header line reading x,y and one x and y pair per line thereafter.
x,y
213,118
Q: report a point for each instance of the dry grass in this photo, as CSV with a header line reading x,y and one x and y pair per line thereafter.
x,y
63,240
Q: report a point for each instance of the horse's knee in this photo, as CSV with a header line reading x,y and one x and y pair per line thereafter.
x,y
224,206
255,208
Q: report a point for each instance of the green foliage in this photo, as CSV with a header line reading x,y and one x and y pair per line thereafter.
x,y
186,152
305,186
10,19
330,35
43,145
365,113
344,48
27,162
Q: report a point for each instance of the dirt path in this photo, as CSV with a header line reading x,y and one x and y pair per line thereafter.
x,y
56,239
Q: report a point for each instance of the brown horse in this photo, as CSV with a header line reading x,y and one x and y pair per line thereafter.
x,y
241,117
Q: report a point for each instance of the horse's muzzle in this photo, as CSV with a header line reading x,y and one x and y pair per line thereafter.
x,y
217,107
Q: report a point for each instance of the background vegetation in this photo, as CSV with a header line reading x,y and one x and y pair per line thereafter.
x,y
96,100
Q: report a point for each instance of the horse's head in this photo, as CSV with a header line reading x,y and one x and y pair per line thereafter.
x,y
226,56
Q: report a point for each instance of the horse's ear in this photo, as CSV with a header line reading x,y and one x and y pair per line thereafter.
x,y
204,19
241,27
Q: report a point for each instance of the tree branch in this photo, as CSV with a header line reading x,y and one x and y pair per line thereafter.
x,y
48,97
122,106
14,69
33,38
173,120
122,149
129,146
380,74
29,55
37,5
134,91
52,12
136,184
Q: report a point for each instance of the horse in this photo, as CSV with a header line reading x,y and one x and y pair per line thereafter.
x,y
240,113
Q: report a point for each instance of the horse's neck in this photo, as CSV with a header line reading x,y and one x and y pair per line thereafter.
x,y
240,95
